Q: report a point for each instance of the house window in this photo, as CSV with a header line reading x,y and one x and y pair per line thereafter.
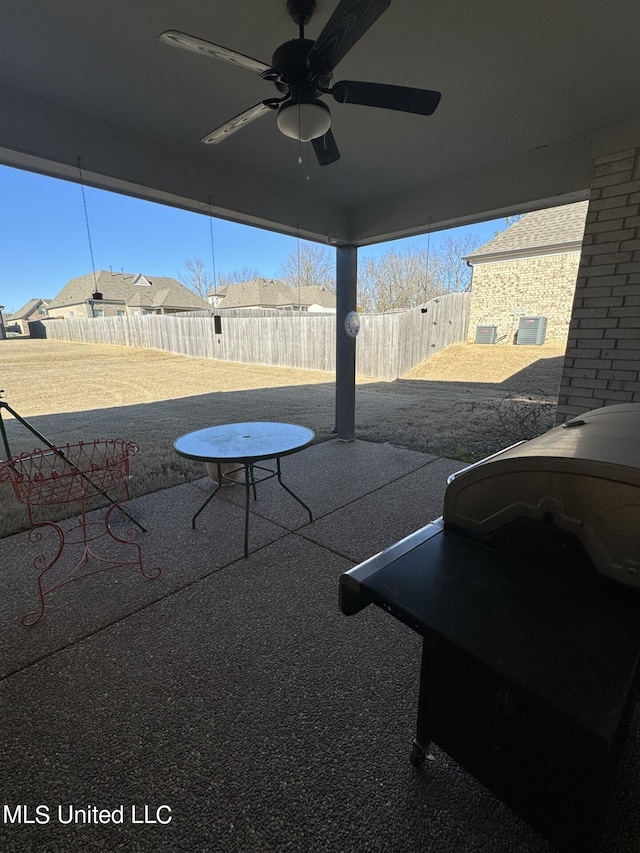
x,y
121,313
98,312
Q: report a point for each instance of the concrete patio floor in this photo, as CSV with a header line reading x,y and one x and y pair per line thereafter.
x,y
232,692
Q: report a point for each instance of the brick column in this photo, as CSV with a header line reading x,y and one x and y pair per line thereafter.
x,y
602,362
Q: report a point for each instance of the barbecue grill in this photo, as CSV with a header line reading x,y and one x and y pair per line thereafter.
x,y
527,595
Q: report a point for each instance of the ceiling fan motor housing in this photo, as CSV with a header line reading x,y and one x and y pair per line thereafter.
x,y
290,61
302,116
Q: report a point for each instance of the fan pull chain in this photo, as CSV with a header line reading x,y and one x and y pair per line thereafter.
x,y
301,158
86,219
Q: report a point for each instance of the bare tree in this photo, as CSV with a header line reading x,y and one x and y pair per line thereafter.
x,y
452,271
197,277
238,276
367,286
397,281
311,264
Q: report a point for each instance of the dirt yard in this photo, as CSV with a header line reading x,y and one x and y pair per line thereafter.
x,y
464,402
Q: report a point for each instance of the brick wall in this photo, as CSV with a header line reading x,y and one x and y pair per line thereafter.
x,y
83,311
23,325
602,362
80,310
543,286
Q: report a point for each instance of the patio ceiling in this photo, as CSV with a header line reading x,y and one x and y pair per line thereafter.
x,y
530,92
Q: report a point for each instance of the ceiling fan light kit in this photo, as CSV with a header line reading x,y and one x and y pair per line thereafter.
x,y
304,119
302,70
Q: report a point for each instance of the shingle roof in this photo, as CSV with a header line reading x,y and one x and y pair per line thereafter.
x,y
259,292
316,294
133,290
272,293
541,232
28,309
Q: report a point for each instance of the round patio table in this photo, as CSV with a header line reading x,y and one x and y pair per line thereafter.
x,y
245,444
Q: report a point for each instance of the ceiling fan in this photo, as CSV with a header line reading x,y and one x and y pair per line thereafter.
x,y
302,69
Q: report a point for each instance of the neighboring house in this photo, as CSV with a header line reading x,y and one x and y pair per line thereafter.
x,y
529,270
271,293
11,327
317,298
110,294
35,309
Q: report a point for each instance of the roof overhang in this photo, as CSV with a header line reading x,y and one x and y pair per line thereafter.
x,y
529,252
530,94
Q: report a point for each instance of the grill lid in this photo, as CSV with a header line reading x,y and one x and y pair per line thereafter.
x,y
583,476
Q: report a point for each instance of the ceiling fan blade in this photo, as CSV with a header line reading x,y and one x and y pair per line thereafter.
x,y
401,98
239,121
326,149
215,50
349,22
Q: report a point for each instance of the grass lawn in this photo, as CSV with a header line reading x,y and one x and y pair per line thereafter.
x,y
458,403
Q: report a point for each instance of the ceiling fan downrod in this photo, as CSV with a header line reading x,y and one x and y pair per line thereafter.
x,y
301,12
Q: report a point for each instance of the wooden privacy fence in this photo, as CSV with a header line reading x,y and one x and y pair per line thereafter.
x,y
388,344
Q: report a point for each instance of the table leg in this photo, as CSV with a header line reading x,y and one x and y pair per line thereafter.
x,y
287,489
248,481
193,520
249,484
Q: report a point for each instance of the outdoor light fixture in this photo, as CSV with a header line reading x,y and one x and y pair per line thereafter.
x,y
304,119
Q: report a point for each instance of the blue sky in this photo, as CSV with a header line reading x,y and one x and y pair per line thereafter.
x,y
43,237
